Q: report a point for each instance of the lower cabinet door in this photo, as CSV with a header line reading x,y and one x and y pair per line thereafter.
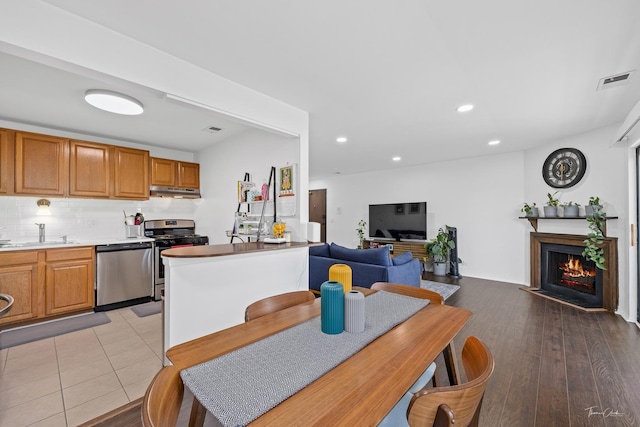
x,y
21,282
69,286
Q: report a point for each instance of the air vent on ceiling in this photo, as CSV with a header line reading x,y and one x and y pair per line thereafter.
x,y
212,129
615,80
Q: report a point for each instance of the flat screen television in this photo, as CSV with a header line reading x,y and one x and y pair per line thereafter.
x,y
398,221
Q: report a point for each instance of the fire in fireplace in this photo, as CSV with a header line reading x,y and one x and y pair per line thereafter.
x,y
567,275
573,271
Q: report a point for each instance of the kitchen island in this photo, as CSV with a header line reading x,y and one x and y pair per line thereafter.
x,y
207,288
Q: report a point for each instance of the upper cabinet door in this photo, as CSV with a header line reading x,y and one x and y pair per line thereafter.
x,y
6,162
41,164
163,172
188,175
89,169
131,173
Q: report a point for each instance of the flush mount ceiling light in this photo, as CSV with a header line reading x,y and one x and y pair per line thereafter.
x,y
464,108
494,142
396,158
113,102
341,139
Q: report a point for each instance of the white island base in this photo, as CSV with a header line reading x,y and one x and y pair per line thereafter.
x,y
207,288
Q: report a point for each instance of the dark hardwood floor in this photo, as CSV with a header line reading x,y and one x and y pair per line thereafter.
x,y
554,365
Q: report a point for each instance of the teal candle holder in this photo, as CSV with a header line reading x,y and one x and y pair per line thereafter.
x,y
332,307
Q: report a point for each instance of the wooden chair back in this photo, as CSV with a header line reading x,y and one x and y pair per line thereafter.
x,y
277,303
163,398
410,291
457,405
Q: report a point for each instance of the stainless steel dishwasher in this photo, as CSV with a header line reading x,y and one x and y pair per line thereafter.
x,y
124,274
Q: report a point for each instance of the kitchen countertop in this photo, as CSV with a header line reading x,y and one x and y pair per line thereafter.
x,y
230,249
56,244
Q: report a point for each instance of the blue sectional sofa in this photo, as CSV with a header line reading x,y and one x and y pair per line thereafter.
x,y
368,265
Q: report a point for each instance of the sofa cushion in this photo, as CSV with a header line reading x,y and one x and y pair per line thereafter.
x,y
377,256
402,258
320,250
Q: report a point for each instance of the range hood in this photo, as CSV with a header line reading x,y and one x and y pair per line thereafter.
x,y
174,192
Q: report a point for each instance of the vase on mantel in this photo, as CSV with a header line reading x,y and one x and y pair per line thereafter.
x,y
550,211
571,211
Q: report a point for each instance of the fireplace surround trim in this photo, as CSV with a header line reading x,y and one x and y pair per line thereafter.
x,y
610,275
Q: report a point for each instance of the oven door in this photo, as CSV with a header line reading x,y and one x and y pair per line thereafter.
x,y
159,265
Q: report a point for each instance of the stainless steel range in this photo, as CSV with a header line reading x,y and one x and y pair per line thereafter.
x,y
170,233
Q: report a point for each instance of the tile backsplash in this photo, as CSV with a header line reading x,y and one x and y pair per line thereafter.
x,y
81,219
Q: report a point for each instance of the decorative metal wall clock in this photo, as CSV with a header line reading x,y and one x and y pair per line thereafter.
x,y
564,168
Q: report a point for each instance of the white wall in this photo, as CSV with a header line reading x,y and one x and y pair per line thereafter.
x,y
482,197
253,151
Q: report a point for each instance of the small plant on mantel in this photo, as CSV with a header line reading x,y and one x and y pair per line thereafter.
x,y
593,251
529,209
552,200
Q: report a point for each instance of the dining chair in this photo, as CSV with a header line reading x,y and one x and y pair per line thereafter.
x,y
457,405
410,291
277,303
163,398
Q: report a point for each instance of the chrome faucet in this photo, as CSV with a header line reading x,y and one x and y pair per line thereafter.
x,y
40,232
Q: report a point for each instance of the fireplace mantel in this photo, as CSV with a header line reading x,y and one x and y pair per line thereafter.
x,y
610,275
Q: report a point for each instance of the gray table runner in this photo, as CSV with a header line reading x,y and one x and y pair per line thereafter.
x,y
240,386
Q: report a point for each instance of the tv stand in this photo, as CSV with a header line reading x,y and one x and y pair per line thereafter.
x,y
399,247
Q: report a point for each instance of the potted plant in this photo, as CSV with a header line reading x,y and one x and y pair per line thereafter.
x,y
594,204
570,209
593,250
438,250
530,210
360,230
551,209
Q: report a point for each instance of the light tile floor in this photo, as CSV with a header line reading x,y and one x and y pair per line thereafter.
x,y
72,378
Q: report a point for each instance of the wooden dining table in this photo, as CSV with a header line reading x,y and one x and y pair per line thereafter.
x,y
359,391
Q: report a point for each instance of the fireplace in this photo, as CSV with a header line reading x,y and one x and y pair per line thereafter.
x,y
567,275
559,271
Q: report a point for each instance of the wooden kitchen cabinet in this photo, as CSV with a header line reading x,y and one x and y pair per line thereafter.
x,y
163,172
41,164
174,173
19,278
131,173
47,283
69,280
6,161
90,169
188,175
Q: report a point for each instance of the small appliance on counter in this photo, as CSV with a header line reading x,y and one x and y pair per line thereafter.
x,y
170,233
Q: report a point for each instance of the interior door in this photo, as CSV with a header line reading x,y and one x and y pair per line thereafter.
x,y
318,210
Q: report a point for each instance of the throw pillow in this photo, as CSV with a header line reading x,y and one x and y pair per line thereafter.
x,y
402,258
320,250
377,256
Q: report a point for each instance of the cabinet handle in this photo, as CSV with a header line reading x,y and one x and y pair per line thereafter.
x,y
633,235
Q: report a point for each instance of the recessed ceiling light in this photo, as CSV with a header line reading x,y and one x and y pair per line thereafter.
x,y
113,102
494,142
396,158
464,108
341,139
